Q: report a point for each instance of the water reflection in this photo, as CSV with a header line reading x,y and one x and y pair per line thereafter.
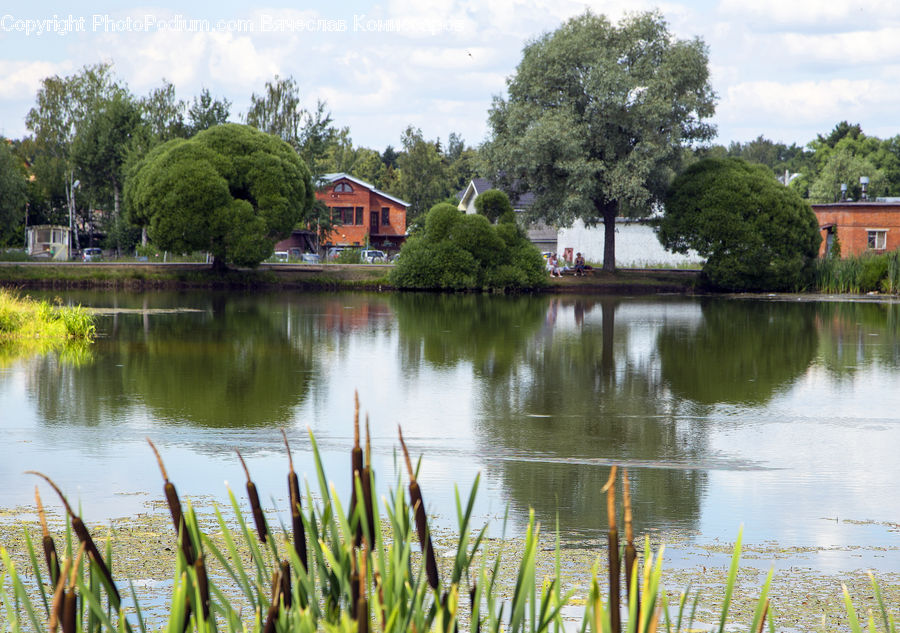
x,y
778,412
740,352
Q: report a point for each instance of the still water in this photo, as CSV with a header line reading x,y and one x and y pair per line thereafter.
x,y
780,415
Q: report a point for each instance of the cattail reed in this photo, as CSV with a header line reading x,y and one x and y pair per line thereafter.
x,y
473,591
613,546
418,506
174,503
202,585
258,516
362,602
85,538
286,590
762,619
356,468
70,600
354,586
631,566
49,546
367,487
296,506
56,607
272,614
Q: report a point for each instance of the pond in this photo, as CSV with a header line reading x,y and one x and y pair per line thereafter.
x,y
778,414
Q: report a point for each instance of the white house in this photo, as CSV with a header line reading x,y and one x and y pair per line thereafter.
x,y
541,235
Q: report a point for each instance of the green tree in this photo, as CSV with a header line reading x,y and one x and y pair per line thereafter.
x,y
230,190
845,167
493,204
596,118
13,196
421,181
458,252
163,113
100,149
278,110
756,233
206,112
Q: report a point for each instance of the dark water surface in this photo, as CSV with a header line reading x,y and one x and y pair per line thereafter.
x,y
781,415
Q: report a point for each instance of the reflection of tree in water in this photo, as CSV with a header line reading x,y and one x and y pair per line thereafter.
x,y
856,335
742,352
446,329
577,401
232,365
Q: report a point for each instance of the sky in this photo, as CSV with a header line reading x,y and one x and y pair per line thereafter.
x,y
784,69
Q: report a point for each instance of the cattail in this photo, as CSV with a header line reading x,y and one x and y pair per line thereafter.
x,y
367,487
49,546
202,585
258,516
70,601
272,614
85,538
473,591
354,586
296,507
762,619
613,545
362,602
56,608
418,505
174,503
631,566
356,468
286,592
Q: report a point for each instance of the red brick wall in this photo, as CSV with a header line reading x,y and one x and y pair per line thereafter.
x,y
369,201
853,221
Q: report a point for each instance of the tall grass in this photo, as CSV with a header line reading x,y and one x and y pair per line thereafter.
x,y
24,318
858,274
386,580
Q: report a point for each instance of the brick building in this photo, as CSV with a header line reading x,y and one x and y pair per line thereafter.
x,y
359,210
860,226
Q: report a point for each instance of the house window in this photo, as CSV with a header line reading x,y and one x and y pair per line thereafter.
x,y
359,216
385,216
877,239
343,215
343,187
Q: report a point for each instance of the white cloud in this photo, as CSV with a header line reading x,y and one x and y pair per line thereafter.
x,y
815,14
23,78
843,49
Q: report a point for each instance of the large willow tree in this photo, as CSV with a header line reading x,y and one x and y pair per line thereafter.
x,y
230,190
596,118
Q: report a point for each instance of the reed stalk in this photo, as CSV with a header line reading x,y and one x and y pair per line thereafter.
x,y
632,576
299,530
613,552
50,555
418,505
256,509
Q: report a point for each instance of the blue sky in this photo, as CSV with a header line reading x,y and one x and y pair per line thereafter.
x,y
786,69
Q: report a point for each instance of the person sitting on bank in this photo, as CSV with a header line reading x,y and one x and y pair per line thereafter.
x,y
579,264
553,266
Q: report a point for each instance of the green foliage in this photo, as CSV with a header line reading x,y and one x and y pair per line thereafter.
x,y
755,233
493,204
13,192
869,272
206,112
463,252
597,116
422,181
347,256
230,190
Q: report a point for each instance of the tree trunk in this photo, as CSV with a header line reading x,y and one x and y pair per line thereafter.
x,y
219,265
116,216
609,210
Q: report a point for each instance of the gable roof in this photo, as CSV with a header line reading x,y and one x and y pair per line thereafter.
x,y
327,179
477,186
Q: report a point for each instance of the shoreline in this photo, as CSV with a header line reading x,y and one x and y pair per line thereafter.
x,y
141,276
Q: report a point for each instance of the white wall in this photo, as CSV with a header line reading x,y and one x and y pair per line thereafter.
x,y
636,245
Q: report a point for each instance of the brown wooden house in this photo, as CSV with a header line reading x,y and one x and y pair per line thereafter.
x,y
360,211
860,227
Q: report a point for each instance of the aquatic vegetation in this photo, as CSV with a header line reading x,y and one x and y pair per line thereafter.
x,y
371,567
25,318
857,274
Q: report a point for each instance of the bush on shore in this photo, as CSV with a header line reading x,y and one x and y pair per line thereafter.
x,y
467,252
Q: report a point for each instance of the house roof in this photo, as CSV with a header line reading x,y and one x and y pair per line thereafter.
x,y
327,179
478,186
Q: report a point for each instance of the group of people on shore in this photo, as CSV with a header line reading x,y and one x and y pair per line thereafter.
x,y
553,265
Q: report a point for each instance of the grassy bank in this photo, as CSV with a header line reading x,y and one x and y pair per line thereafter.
x,y
142,276
23,319
859,274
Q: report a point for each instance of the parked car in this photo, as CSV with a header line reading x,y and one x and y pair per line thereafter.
x,y
281,257
372,256
310,258
91,254
333,252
